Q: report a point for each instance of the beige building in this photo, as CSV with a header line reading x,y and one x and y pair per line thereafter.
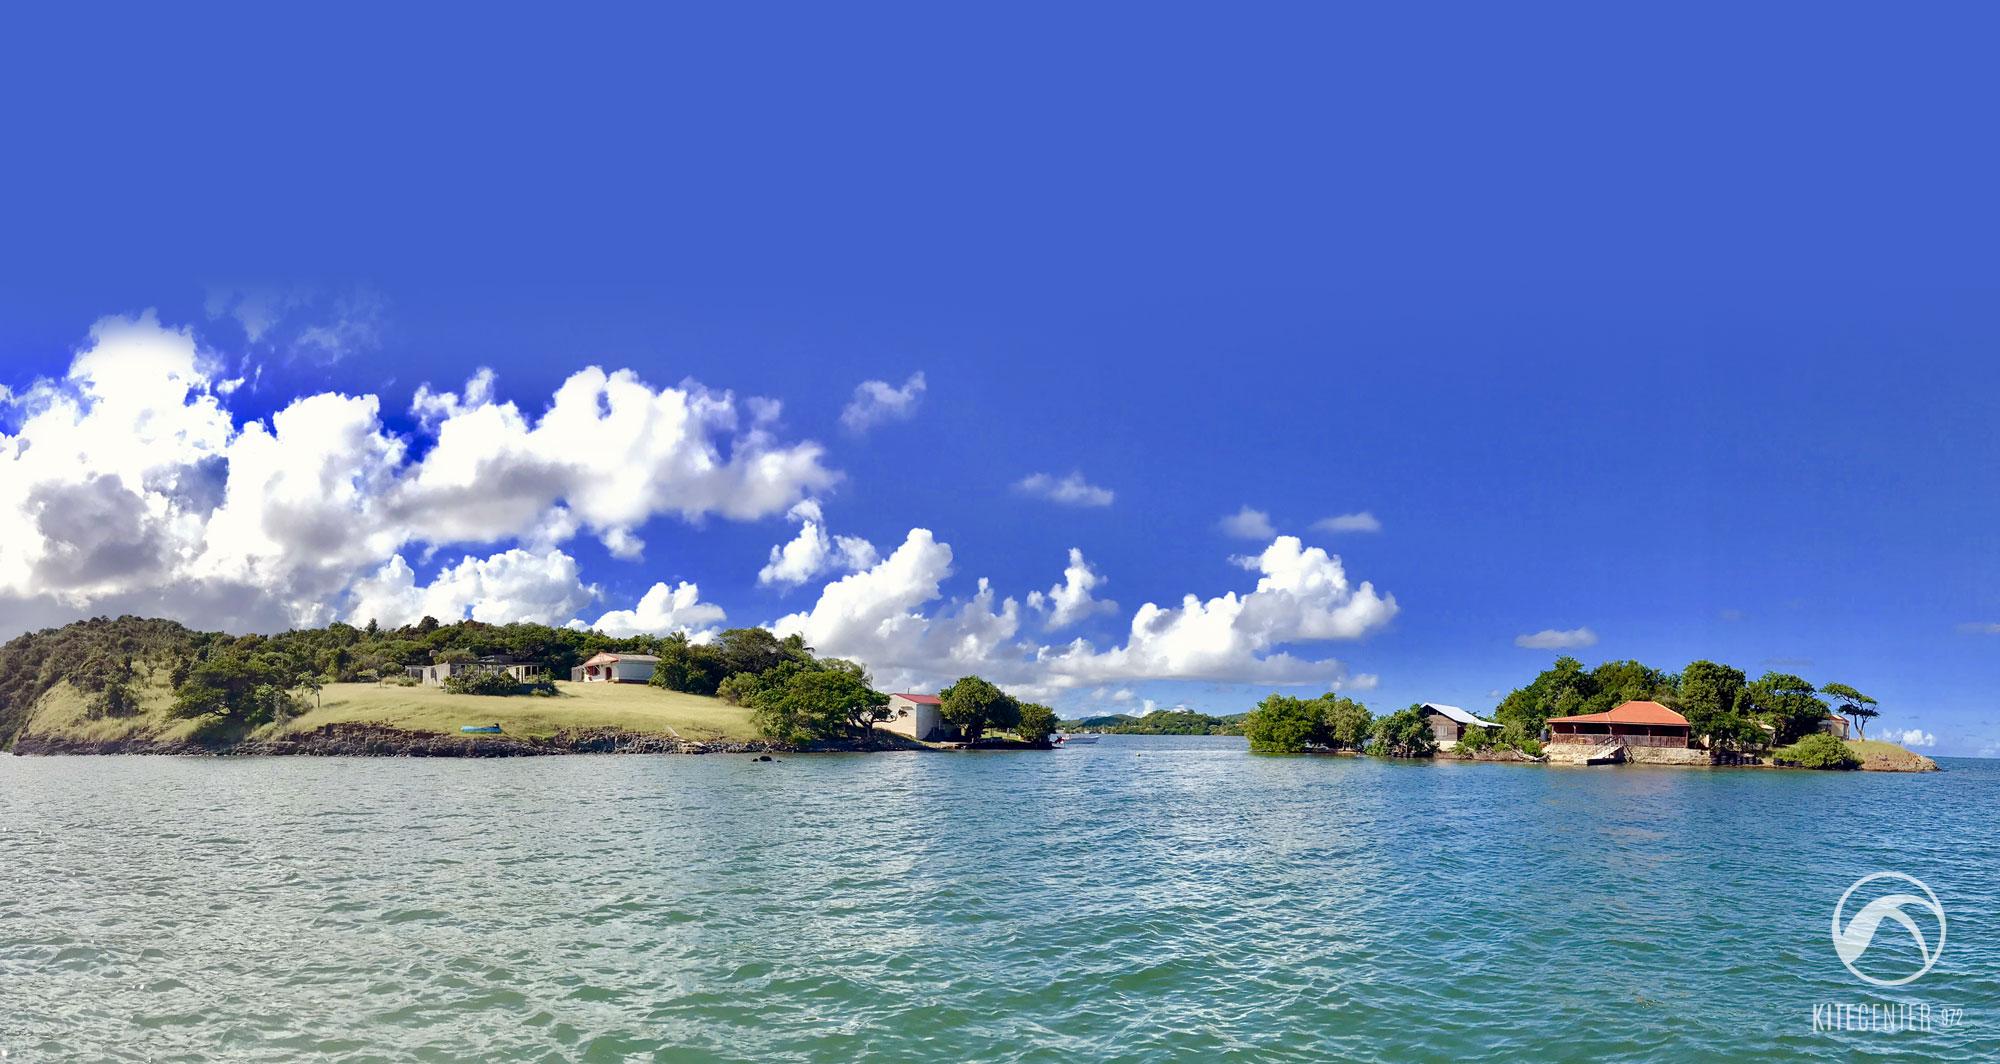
x,y
918,717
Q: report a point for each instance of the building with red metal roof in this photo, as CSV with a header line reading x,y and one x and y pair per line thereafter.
x,y
1631,724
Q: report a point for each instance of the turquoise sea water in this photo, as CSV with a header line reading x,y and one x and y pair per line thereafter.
x,y
1139,900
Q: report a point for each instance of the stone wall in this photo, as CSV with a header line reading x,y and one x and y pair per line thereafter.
x,y
1667,755
1579,753
1574,753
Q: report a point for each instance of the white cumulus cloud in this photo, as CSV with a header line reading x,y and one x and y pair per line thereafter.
x,y
813,552
879,617
662,611
876,402
1248,524
515,585
1071,490
1071,601
130,485
1915,737
1557,639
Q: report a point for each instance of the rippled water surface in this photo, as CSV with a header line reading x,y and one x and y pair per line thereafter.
x,y
1139,900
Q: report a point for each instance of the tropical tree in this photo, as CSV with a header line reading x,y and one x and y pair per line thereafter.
x,y
1404,734
755,650
1282,724
1712,698
1037,722
973,706
1787,703
816,704
1619,682
684,665
1344,722
311,683
1853,705
1562,690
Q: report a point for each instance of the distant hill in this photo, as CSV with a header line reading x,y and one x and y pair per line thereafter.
x,y
1163,722
1099,722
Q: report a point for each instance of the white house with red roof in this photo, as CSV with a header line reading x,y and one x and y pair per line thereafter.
x,y
918,717
1630,724
615,668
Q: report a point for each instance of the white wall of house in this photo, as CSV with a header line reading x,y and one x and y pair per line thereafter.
x,y
624,670
631,671
917,720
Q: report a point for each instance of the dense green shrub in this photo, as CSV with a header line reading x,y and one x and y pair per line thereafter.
x,y
482,682
739,688
1476,739
1819,750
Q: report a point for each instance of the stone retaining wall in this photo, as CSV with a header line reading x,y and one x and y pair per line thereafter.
x,y
1667,755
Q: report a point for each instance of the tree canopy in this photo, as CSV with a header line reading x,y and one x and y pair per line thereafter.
x,y
1853,705
1283,724
1404,733
1037,723
1787,703
824,702
974,707
1720,703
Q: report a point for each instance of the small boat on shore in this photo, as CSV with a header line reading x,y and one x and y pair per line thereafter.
x,y
1076,740
487,729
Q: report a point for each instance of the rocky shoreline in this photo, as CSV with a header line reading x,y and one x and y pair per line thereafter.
x,y
377,740
1558,755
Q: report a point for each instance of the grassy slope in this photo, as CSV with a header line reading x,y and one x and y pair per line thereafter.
x,y
628,707
1869,749
64,711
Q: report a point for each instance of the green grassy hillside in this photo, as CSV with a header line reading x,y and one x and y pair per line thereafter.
x,y
627,707
66,712
1876,752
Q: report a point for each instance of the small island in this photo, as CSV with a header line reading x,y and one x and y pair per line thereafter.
x,y
1621,712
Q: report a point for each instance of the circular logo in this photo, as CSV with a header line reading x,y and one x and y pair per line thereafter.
x,y
1852,939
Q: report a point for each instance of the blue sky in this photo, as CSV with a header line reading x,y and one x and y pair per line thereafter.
x,y
1674,327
